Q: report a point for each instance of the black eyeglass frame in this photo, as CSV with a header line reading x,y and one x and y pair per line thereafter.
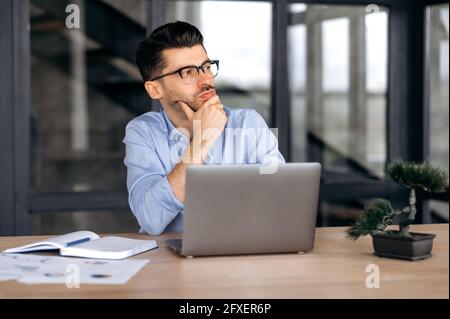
x,y
178,71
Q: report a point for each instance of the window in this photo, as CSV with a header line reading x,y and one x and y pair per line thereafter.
x,y
437,91
85,88
338,81
83,94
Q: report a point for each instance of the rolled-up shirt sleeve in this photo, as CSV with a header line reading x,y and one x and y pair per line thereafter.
x,y
150,195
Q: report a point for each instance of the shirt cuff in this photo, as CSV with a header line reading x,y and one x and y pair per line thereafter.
x,y
166,196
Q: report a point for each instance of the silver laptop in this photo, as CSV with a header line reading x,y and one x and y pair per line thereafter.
x,y
234,209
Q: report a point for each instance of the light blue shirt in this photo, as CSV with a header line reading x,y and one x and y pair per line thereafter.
x,y
154,147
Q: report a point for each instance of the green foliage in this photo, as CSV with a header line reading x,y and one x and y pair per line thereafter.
x,y
375,218
418,176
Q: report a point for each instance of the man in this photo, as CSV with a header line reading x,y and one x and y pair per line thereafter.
x,y
193,127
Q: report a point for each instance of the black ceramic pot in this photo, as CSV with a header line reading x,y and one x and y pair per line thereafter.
x,y
391,244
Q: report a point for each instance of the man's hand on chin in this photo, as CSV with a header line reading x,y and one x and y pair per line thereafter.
x,y
208,123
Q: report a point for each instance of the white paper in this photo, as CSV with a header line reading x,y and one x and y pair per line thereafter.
x,y
33,269
109,247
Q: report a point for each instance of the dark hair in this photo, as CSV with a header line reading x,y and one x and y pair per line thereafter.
x,y
177,34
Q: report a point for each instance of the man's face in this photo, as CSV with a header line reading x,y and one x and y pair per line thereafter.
x,y
174,89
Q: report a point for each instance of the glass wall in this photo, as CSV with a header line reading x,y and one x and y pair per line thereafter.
x,y
437,85
338,81
85,88
77,118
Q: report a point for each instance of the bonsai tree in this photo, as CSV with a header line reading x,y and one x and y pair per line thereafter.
x,y
414,176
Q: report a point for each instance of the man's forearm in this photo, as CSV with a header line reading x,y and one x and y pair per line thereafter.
x,y
177,180
177,177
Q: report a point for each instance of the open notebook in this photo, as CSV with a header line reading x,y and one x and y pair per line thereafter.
x,y
89,245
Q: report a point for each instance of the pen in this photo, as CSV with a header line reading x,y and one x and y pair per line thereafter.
x,y
78,241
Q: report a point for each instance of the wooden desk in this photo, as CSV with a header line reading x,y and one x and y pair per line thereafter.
x,y
335,269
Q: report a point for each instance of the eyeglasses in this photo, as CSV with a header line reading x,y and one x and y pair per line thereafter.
x,y
189,74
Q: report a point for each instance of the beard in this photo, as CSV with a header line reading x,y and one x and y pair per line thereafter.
x,y
194,102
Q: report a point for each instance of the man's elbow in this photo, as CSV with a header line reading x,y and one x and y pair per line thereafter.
x,y
152,214
153,229
152,225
